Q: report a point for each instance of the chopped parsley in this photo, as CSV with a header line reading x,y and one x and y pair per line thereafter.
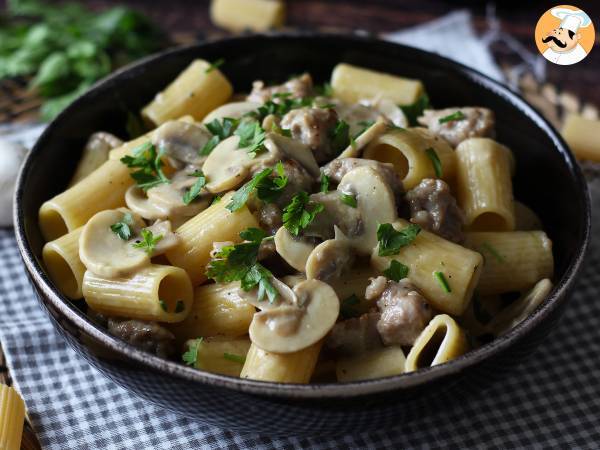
x,y
493,251
339,136
415,110
300,213
441,279
281,106
239,262
123,228
218,63
396,271
365,124
267,188
324,90
348,199
149,162
179,306
391,240
235,358
325,181
458,115
349,307
148,242
216,199
194,191
191,356
252,137
221,130
435,161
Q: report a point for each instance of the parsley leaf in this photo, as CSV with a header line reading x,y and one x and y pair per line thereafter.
x,y
221,130
123,228
239,263
210,146
240,197
414,110
194,191
365,124
391,241
324,90
435,161
148,241
458,115
280,105
191,356
270,188
218,63
163,305
149,162
348,199
252,137
349,307
300,213
235,358
325,181
340,136
396,271
441,279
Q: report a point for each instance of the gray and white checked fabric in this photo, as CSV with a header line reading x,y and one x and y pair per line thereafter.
x,y
553,400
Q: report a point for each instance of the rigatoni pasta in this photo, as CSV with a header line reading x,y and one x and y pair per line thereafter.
x,y
299,227
240,15
12,415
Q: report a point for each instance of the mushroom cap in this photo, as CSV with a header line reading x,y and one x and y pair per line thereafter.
x,y
375,201
289,328
227,166
286,296
294,149
234,110
329,259
137,201
370,134
392,111
106,254
168,197
181,141
295,251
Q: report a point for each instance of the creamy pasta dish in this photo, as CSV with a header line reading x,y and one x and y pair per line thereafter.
x,y
300,233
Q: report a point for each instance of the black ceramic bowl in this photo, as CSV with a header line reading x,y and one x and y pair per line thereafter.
x,y
547,178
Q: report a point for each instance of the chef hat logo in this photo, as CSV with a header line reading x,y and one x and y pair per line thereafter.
x,y
564,35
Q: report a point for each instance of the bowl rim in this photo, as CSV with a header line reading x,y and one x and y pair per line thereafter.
x,y
317,390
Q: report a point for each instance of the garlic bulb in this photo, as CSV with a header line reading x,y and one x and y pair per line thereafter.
x,y
11,156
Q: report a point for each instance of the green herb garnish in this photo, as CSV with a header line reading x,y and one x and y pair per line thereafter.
x,y
281,107
252,137
324,181
348,199
415,110
163,305
441,279
221,130
194,191
458,115
391,240
396,271
324,90
218,63
216,199
365,124
339,136
123,228
179,306
267,188
495,253
300,213
435,161
148,242
191,356
349,307
235,358
149,164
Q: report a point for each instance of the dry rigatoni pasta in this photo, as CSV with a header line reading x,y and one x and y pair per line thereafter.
x,y
12,415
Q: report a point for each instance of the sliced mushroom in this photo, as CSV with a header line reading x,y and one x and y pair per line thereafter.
x,y
294,250
103,252
181,141
137,201
235,110
227,166
330,259
355,114
294,149
392,111
289,329
168,197
335,213
169,239
370,134
286,297
375,202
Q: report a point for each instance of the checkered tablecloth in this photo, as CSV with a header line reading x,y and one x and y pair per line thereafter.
x,y
552,400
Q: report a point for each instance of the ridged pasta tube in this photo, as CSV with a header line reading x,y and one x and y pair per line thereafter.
x,y
196,236
441,341
61,258
12,415
161,293
383,362
241,15
196,91
102,189
222,355
514,260
295,367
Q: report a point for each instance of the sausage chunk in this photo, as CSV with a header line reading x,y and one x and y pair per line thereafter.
x,y
354,336
313,126
298,87
404,311
477,122
147,336
433,207
337,168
